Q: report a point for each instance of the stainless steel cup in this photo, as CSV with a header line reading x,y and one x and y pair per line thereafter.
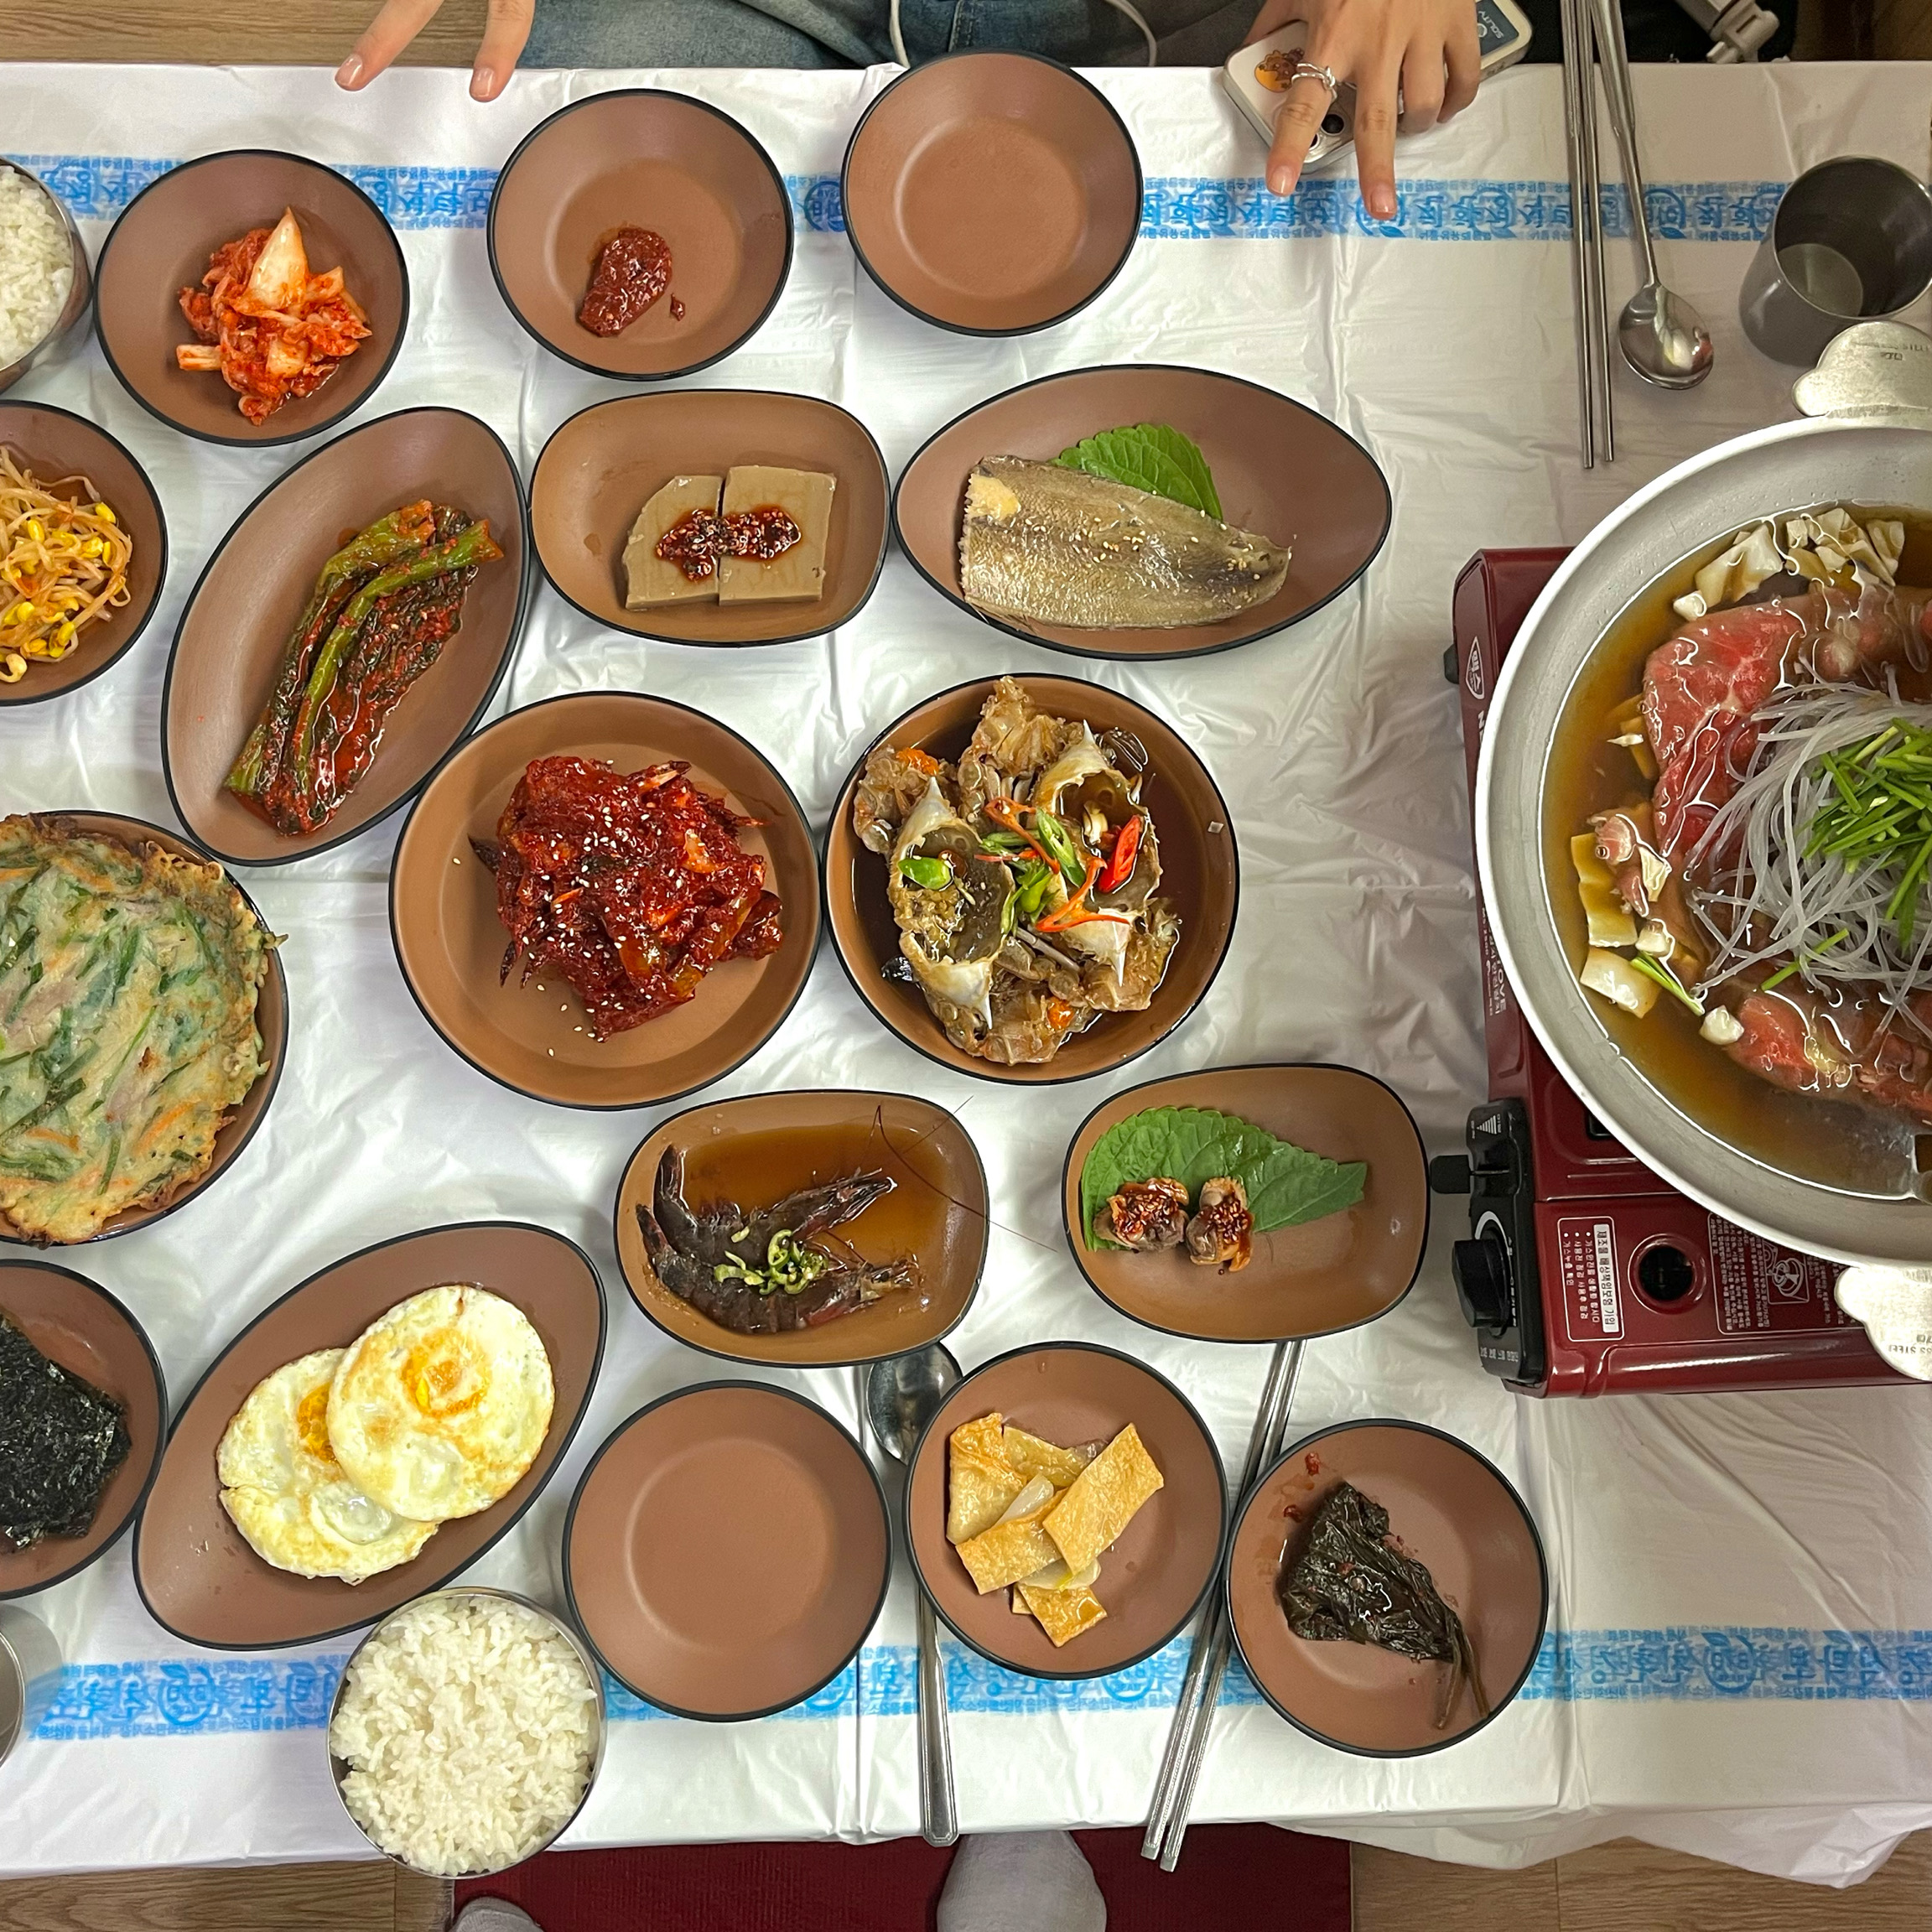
x,y
68,329
1851,241
30,1674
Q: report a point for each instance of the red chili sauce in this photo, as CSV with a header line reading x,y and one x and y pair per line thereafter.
x,y
700,537
633,269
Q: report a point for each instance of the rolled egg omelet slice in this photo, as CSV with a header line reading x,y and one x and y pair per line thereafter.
x,y
440,1407
287,1494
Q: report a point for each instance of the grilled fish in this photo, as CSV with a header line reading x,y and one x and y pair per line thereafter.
x,y
1058,546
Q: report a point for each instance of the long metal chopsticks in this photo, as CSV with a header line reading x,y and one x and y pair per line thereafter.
x,y
1214,1636
1595,414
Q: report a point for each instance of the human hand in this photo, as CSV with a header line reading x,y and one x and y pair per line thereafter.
x,y
1426,47
400,20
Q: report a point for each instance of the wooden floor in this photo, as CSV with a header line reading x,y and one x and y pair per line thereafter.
x,y
271,1899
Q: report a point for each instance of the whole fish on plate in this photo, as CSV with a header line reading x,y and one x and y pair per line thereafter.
x,y
1055,545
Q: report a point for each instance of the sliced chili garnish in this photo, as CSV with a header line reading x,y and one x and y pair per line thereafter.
x,y
1119,866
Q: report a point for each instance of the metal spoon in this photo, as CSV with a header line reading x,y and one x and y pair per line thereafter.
x,y
902,1394
1663,338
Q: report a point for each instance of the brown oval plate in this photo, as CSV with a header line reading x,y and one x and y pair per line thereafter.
x,y
78,1324
641,157
271,1021
160,245
55,444
992,192
1153,1580
530,1038
1200,873
232,635
600,469
1336,1273
1453,1511
1278,469
727,1551
760,1147
201,1582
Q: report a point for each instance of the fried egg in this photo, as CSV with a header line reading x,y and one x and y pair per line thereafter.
x,y
287,1494
440,1407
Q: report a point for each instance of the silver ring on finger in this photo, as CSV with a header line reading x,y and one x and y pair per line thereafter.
x,y
1308,71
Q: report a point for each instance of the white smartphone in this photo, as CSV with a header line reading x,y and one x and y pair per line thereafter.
x,y
1258,77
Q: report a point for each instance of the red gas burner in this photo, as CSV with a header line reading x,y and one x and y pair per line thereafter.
x,y
1584,1273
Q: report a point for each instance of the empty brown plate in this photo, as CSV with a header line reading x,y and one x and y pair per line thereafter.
x,y
533,1037
1335,1273
271,1021
82,1328
1199,874
1278,469
601,467
640,157
992,192
55,445
160,245
1451,1509
237,625
727,1551
1151,1580
202,1582
759,1149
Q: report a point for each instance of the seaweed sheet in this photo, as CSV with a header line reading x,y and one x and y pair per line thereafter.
x,y
60,1439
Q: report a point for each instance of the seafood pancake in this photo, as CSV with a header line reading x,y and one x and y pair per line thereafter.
x,y
440,1407
128,984
285,1492
1059,546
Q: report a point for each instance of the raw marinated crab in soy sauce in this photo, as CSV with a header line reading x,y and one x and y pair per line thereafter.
x,y
757,1271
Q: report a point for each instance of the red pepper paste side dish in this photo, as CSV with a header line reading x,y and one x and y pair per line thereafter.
x,y
700,537
632,885
633,271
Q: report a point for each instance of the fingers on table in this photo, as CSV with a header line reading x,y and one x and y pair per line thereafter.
x,y
507,29
1273,17
385,37
1462,57
1376,122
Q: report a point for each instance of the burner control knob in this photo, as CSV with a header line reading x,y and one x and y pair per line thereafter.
x,y
1481,1268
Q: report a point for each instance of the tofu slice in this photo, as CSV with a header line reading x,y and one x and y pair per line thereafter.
x,y
648,578
805,496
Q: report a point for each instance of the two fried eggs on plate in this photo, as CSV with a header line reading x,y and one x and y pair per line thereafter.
x,y
345,1462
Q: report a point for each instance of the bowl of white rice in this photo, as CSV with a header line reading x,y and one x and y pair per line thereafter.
x,y
466,1731
44,284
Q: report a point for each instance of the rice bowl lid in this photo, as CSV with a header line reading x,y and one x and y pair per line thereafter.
x,y
339,1768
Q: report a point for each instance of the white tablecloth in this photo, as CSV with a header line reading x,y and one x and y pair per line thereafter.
x,y
1734,1666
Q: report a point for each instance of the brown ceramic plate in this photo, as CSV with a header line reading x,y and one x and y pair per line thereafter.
x,y
757,1149
992,192
202,1583
1200,873
1278,469
1153,1580
1336,1273
160,245
271,1020
640,157
82,1328
54,444
232,635
530,1038
727,1551
600,468
1449,1508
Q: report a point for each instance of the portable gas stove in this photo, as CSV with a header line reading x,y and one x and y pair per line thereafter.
x,y
1584,1273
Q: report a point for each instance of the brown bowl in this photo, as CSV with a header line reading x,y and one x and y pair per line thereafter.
x,y
639,157
80,1327
160,245
55,444
1153,1580
1278,469
201,1582
598,471
759,1148
230,643
992,192
1200,873
449,942
727,1551
271,1021
1451,1509
1336,1273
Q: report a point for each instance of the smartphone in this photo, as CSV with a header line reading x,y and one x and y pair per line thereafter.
x,y
1258,76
